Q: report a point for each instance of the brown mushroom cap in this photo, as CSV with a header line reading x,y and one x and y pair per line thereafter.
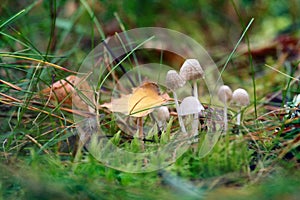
x,y
173,80
240,97
191,70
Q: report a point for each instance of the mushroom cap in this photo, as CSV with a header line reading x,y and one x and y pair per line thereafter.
x,y
225,94
190,105
191,70
163,113
240,97
173,80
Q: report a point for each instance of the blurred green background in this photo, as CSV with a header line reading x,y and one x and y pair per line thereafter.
x,y
65,31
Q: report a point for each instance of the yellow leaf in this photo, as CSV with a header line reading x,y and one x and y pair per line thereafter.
x,y
140,102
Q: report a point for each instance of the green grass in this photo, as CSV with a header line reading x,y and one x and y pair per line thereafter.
x,y
45,41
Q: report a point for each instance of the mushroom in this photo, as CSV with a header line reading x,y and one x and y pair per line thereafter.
x,y
163,115
191,70
174,81
241,98
191,105
225,95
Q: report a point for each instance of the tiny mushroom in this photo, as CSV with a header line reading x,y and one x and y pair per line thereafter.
x,y
163,115
241,98
191,105
191,70
225,95
174,81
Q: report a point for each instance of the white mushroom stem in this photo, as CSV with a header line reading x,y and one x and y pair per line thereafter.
x,y
160,125
195,88
225,118
238,118
181,124
196,115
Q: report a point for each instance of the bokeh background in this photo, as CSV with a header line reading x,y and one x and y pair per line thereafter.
x,y
65,31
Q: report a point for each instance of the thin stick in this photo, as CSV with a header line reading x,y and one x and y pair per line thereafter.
x,y
11,85
37,143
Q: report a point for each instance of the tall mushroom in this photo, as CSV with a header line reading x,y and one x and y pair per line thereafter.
x,y
241,98
191,70
174,81
225,95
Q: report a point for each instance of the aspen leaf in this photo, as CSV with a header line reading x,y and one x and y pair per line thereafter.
x,y
140,102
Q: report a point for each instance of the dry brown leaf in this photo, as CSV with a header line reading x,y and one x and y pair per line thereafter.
x,y
71,90
140,102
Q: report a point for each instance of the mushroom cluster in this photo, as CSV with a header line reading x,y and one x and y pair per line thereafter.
x,y
240,98
189,71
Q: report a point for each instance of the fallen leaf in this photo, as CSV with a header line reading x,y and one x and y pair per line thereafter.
x,y
140,102
71,90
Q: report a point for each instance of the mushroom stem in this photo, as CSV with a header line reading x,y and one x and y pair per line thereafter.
x,y
181,124
225,119
225,95
238,118
196,115
195,88
160,125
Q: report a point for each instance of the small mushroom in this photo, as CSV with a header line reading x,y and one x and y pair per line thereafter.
x,y
174,81
225,95
191,105
241,98
163,115
191,70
